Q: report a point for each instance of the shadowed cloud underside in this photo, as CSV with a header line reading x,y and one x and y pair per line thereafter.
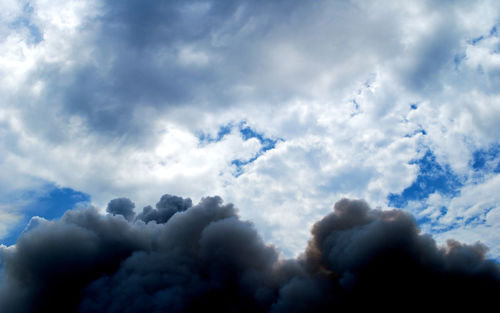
x,y
186,258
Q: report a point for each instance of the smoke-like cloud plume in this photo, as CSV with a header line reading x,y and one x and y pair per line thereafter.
x,y
165,208
122,206
184,258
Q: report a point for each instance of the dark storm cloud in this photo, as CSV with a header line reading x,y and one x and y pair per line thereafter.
x,y
53,261
204,258
165,208
379,256
121,206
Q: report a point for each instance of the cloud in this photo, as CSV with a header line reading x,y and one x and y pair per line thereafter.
x,y
8,219
206,258
110,97
165,209
121,206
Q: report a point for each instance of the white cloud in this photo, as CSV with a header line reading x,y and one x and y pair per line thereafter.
x,y
8,218
112,100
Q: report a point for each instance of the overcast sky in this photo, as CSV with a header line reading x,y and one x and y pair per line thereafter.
x,y
280,107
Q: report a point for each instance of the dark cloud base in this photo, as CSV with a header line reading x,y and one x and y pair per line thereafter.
x,y
184,258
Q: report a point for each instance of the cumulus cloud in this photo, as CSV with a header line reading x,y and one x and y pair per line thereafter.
x,y
165,208
109,98
205,257
121,206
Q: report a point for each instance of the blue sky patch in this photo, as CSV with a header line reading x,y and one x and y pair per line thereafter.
x,y
437,228
432,177
486,160
416,132
223,130
474,41
433,222
356,108
50,205
25,22
267,143
248,133
478,219
356,104
492,33
494,30
458,59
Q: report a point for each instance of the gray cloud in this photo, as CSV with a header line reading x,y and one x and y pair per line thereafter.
x,y
165,208
54,261
138,60
205,258
121,206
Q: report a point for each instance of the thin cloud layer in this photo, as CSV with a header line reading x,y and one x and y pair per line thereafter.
x,y
206,258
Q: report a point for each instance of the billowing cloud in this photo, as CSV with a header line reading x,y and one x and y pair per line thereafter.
x,y
165,208
118,98
121,206
206,258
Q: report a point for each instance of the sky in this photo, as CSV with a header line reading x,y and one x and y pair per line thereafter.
x,y
280,107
